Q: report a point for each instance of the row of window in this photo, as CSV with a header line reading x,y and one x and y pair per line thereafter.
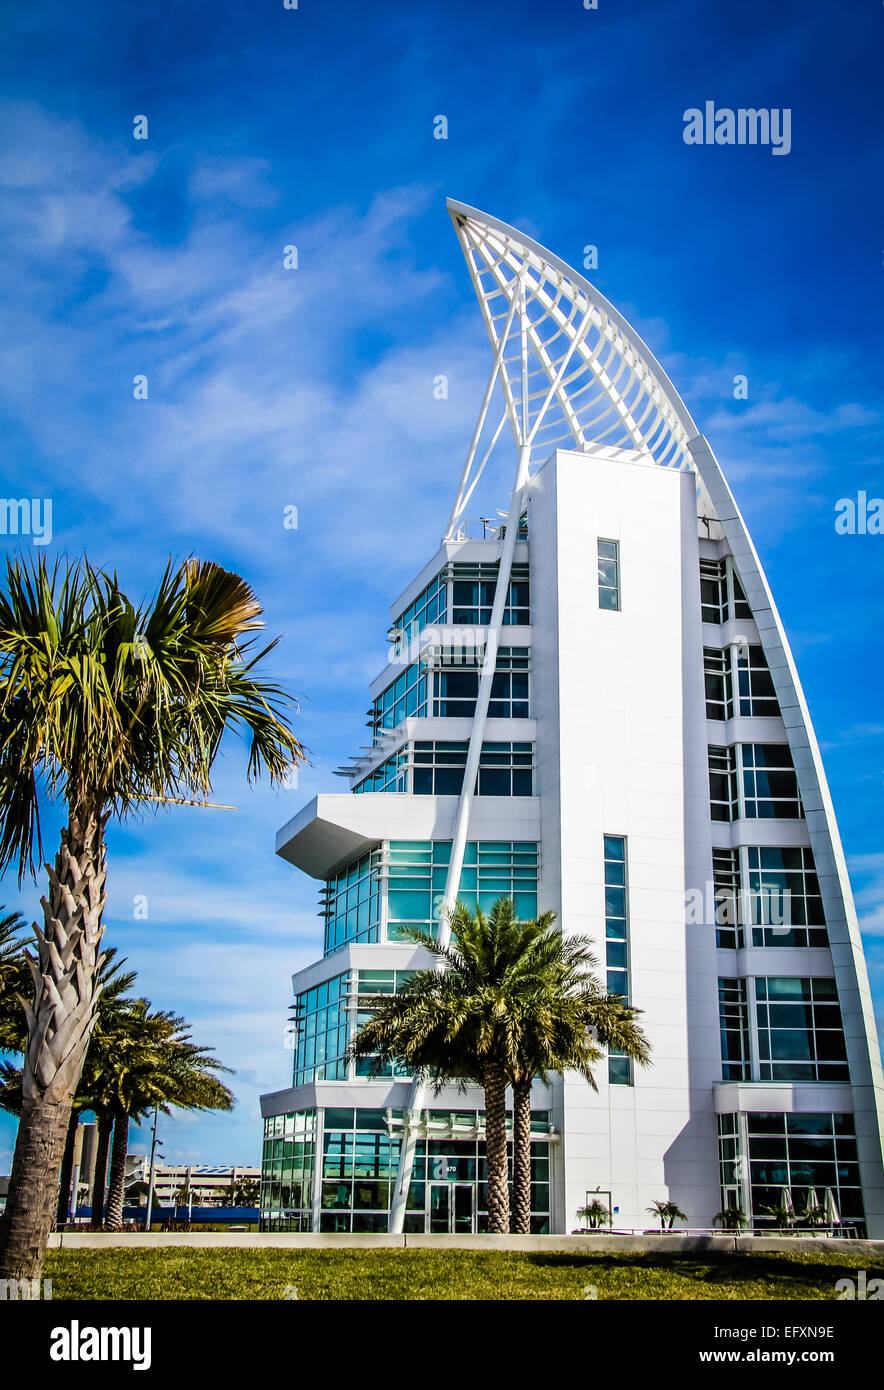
x,y
408,879
359,1163
435,768
811,1156
617,942
492,869
351,902
738,681
450,692
767,897
753,781
472,595
467,592
721,593
781,1029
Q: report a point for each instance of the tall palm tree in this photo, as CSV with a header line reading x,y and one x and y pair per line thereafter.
x,y
465,1020
114,983
159,1068
14,980
564,1017
106,707
122,1034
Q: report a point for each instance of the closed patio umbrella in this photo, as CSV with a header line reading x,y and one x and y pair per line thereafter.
x,y
832,1214
813,1210
786,1201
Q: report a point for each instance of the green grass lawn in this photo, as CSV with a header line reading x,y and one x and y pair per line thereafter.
x,y
172,1273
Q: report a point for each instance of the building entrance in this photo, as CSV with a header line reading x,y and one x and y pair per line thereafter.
x,y
451,1209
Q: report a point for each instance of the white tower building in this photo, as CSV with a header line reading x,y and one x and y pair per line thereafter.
x,y
592,707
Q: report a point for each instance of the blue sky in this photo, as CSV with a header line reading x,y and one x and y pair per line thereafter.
x,y
313,388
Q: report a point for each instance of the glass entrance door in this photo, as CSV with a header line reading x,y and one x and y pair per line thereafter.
x,y
439,1209
451,1208
463,1207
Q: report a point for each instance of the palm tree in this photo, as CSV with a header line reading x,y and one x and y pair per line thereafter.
x,y
156,1072
469,1019
563,1015
14,981
106,707
731,1219
112,1002
595,1214
452,1024
667,1213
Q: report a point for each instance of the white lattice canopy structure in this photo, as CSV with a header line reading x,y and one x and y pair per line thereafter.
x,y
572,371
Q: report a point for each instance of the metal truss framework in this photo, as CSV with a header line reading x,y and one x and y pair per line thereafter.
x,y
572,371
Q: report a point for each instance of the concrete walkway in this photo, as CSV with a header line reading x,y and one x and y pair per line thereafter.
x,y
564,1245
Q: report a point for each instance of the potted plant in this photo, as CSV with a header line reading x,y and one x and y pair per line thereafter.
x,y
594,1215
731,1219
667,1213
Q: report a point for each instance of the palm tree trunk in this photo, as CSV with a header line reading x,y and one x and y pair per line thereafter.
x,y
117,1180
520,1216
67,1170
497,1177
60,1020
30,1206
99,1181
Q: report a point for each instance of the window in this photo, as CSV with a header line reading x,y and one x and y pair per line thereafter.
x,y
800,1033
473,589
741,606
361,1160
359,1164
427,609
287,1171
713,591
505,769
786,905
491,870
455,689
802,1152
351,903
728,899
617,943
721,593
719,685
390,776
722,783
753,780
320,1019
757,697
367,983
733,1012
770,784
404,698
609,574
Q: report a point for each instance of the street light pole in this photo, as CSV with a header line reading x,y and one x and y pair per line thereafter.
x,y
150,1181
